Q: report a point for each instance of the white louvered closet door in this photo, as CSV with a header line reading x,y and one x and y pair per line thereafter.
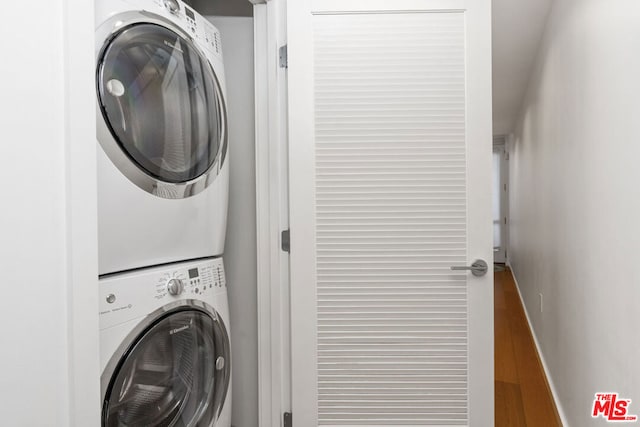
x,y
390,186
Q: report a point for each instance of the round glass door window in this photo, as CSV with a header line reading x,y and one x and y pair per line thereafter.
x,y
172,375
162,102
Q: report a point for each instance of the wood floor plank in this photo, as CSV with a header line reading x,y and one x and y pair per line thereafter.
x,y
509,407
537,402
498,298
505,360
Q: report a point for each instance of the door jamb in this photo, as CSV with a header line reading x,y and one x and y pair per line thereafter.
x,y
274,379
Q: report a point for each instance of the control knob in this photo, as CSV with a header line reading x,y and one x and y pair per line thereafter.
x,y
172,6
175,286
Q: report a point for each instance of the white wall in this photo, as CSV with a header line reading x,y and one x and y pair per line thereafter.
x,y
47,221
33,229
575,205
240,248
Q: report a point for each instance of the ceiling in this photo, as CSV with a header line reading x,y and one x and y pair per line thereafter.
x,y
518,26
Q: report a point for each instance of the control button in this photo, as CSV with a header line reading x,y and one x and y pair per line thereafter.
x,y
172,6
175,286
111,298
197,291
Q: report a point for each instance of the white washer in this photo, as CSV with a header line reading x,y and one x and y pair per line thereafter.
x,y
164,344
162,133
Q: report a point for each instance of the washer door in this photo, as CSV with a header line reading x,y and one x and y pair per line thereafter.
x,y
163,106
174,373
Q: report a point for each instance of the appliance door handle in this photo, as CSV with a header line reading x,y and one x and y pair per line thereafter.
x,y
478,268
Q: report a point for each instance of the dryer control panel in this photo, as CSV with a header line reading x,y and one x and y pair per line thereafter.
x,y
131,295
199,28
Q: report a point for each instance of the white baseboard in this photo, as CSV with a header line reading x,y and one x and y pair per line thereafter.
x,y
554,391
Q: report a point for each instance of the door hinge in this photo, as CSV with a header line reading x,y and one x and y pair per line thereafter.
x,y
505,220
283,55
506,155
288,419
505,187
285,240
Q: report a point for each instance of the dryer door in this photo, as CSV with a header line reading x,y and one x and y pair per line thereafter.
x,y
162,104
173,373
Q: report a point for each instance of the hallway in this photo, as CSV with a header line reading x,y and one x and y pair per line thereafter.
x,y
522,395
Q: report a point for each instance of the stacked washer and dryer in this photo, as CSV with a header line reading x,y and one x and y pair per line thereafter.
x,y
162,194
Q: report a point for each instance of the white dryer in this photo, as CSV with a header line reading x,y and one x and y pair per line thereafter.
x,y
164,344
162,133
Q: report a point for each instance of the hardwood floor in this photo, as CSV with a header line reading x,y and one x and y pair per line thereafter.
x,y
522,394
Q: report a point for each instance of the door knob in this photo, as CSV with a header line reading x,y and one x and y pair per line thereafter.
x,y
478,268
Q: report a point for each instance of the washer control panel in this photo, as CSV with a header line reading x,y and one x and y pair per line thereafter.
x,y
135,294
191,282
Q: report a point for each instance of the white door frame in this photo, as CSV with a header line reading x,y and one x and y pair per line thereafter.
x,y
274,383
274,352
